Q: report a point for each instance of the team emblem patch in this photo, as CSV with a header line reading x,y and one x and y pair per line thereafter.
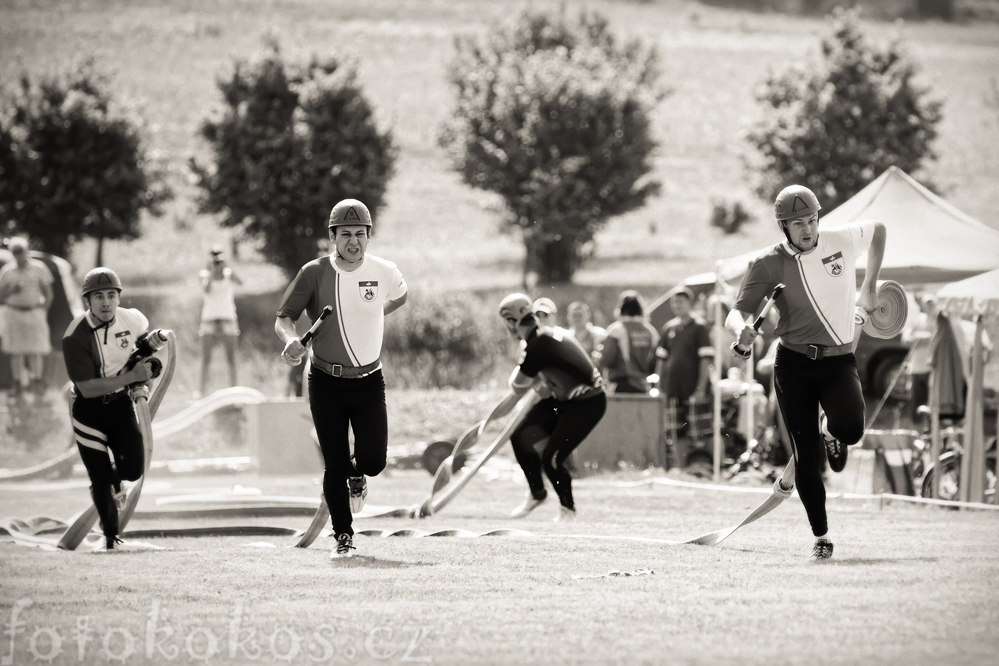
x,y
123,339
834,264
369,289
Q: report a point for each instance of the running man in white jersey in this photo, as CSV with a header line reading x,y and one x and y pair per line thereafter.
x,y
346,386
818,327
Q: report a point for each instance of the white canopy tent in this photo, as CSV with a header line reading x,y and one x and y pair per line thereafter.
x,y
976,297
929,240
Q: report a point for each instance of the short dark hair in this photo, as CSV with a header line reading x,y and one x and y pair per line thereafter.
x,y
684,291
630,304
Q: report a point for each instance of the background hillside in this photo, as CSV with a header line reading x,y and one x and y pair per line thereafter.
x,y
445,236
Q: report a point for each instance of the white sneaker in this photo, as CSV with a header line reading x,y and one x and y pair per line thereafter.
x,y
344,547
565,515
357,487
529,505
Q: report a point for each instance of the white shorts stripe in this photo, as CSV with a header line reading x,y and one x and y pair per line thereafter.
x,y
93,433
89,443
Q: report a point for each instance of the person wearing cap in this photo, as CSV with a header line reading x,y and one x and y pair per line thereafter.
x,y
26,294
546,311
627,355
346,384
683,355
819,318
554,364
219,322
96,349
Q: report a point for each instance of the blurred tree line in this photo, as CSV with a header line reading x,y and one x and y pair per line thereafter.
x,y
552,112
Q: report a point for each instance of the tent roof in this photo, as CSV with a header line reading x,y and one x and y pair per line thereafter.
x,y
971,295
929,240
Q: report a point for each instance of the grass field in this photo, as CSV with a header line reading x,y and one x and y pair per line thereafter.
x,y
907,584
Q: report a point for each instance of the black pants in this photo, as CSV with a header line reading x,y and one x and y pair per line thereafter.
x,y
100,428
803,385
565,424
337,404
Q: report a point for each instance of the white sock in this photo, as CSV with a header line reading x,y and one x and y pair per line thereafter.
x,y
824,537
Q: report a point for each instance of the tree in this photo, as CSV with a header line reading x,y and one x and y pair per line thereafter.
x,y
288,141
554,116
72,162
836,124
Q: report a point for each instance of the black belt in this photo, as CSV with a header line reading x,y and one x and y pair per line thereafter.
x,y
25,308
817,352
348,371
104,399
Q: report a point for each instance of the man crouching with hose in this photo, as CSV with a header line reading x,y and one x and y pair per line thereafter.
x,y
107,350
554,356
819,321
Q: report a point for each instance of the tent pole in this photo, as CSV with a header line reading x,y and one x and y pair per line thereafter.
x,y
716,439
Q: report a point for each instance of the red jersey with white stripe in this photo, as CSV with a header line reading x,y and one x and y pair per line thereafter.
x,y
352,335
820,286
93,349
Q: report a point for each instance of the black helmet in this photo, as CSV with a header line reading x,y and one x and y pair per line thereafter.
x,y
101,278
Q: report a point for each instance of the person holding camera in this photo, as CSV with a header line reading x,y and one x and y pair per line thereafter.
x,y
219,323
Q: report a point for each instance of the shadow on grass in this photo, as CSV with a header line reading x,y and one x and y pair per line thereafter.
x,y
867,561
371,562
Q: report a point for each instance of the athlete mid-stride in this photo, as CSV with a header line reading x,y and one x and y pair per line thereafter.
x,y
820,314
97,347
553,358
346,385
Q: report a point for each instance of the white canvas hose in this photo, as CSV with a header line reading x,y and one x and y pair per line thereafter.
x,y
887,319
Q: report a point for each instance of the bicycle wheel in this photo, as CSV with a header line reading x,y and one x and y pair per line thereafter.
x,y
950,474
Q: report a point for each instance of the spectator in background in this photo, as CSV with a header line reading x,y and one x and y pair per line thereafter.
x,y
581,325
26,293
918,337
683,355
219,324
546,311
627,356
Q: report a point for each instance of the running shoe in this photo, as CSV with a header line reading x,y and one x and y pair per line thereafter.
x,y
835,449
565,515
823,549
529,505
357,486
344,547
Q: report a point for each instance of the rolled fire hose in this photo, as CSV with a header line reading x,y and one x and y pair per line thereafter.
x,y
887,319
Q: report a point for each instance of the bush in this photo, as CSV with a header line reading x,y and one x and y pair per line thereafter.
x,y
554,116
289,141
451,341
835,124
729,217
72,162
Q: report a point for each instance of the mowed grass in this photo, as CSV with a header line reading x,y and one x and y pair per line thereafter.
x,y
908,584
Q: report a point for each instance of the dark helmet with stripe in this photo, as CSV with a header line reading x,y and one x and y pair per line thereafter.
x,y
350,212
795,201
101,278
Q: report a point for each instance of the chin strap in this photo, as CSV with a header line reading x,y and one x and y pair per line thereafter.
x,y
783,227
